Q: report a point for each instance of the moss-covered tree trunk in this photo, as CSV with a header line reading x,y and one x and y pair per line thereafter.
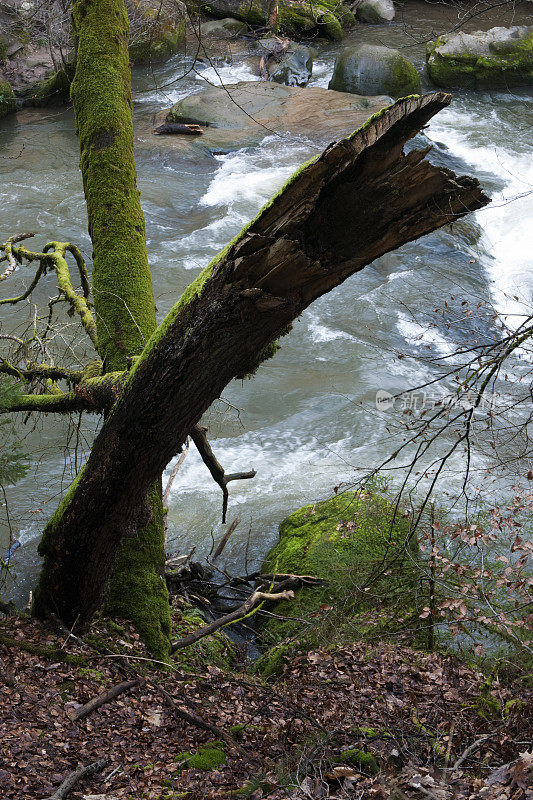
x,y
122,284
361,198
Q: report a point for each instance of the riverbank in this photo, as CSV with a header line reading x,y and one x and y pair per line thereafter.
x,y
377,719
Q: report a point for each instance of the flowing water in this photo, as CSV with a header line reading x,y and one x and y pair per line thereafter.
x,y
308,420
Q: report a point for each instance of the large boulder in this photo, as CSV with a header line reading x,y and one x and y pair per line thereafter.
x,y
157,29
375,11
370,69
345,540
226,28
242,114
303,17
499,57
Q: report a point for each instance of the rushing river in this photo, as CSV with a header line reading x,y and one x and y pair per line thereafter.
x,y
308,419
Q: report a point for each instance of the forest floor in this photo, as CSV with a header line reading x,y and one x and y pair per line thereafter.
x,y
362,720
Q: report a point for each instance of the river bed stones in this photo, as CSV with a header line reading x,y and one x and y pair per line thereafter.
x,y
242,114
326,18
374,11
497,58
370,69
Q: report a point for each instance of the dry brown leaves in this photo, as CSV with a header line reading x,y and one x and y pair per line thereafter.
x,y
391,701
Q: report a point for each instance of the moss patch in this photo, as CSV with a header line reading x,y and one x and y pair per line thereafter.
x,y
206,758
360,759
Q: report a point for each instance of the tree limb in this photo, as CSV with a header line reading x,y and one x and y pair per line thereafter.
x,y
76,776
198,435
105,697
361,198
243,611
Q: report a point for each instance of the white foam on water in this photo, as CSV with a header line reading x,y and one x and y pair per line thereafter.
x,y
423,335
323,333
226,74
489,144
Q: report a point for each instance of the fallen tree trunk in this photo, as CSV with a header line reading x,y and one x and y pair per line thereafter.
x,y
361,198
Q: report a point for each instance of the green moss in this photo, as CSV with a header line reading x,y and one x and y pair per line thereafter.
x,y
216,649
405,80
8,103
54,90
343,540
138,591
207,758
159,46
513,66
331,27
372,733
271,663
50,653
487,705
360,759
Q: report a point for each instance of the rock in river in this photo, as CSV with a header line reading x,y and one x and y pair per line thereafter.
x,y
242,114
500,57
370,69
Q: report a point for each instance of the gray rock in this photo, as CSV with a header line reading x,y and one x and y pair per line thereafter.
x,y
224,28
241,115
375,11
499,57
295,67
369,70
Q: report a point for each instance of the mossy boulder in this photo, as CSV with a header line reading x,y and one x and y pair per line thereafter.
x,y
344,540
157,30
375,11
7,99
498,58
371,69
326,18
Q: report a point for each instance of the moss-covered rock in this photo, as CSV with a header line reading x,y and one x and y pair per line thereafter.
x,y
53,90
209,757
370,69
327,17
500,57
216,650
157,30
343,541
7,99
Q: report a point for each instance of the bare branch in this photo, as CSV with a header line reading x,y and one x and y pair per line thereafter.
x,y
248,607
198,435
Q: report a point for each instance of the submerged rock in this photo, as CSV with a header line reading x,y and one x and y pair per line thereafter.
x,y
499,57
375,11
370,69
325,17
242,114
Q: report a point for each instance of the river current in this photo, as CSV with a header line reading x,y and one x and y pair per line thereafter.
x,y
308,419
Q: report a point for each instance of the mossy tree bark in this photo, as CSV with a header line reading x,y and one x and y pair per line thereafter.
x,y
361,198
122,284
